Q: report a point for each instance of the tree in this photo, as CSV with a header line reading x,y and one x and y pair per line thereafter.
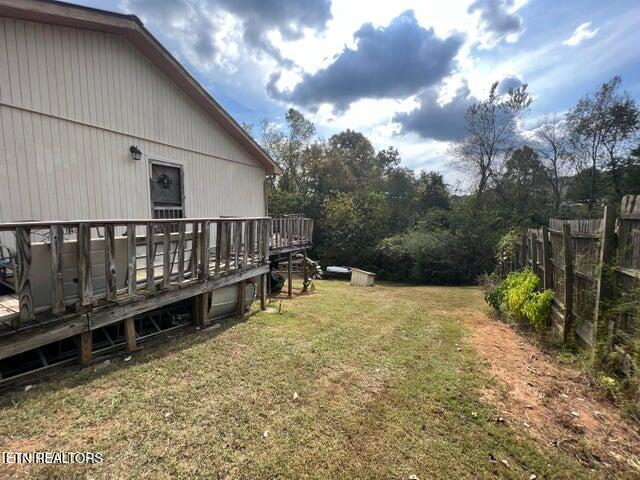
x,y
431,192
288,147
622,119
600,125
551,142
523,188
491,133
400,191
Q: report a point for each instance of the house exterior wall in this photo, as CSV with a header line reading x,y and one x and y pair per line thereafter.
x,y
73,101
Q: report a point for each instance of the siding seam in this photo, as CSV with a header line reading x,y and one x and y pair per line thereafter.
x,y
129,134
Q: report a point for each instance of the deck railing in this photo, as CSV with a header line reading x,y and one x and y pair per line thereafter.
x,y
73,265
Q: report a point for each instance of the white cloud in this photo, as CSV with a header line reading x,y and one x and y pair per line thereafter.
x,y
580,34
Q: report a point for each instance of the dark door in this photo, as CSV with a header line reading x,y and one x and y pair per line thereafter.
x,y
166,191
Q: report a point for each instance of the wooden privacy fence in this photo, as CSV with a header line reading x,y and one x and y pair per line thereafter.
x,y
61,266
568,256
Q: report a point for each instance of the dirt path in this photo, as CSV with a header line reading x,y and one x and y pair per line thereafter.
x,y
554,402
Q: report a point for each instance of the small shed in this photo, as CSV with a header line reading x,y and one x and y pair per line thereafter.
x,y
360,278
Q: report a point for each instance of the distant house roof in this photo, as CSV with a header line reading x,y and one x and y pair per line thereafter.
x,y
131,27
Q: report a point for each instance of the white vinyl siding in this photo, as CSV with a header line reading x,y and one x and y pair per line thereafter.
x,y
73,101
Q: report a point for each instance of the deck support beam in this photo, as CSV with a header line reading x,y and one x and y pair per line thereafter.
x,y
305,272
290,276
200,309
241,298
130,334
263,291
86,347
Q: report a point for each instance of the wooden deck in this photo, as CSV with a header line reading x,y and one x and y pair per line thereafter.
x,y
82,275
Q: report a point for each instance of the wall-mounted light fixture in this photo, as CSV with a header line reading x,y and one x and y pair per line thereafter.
x,y
136,154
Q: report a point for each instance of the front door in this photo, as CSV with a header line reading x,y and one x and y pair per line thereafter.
x,y
167,199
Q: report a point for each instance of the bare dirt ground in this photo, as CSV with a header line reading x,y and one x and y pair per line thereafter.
x,y
556,403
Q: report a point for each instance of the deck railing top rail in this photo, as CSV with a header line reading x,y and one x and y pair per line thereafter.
x,y
119,221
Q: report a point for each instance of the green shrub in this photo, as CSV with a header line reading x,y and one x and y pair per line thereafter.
x,y
538,309
517,297
519,291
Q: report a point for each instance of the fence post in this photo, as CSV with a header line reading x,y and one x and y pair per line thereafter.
x,y
602,331
533,247
546,262
569,330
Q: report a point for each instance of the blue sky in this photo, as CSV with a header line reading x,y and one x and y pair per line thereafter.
x,y
401,72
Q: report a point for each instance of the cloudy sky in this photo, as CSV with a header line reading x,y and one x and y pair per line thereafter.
x,y
401,71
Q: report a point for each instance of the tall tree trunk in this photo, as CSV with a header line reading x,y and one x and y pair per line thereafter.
x,y
592,189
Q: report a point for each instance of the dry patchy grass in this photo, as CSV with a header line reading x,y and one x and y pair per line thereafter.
x,y
347,382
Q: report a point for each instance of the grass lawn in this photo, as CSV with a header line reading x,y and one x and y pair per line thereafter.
x,y
346,382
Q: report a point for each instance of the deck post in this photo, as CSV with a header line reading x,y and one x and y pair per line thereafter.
x,y
203,272
305,273
25,300
200,309
110,261
602,332
57,268
241,300
218,244
263,291
237,243
85,283
180,252
151,258
166,255
267,232
289,276
132,268
569,330
86,346
193,262
130,334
